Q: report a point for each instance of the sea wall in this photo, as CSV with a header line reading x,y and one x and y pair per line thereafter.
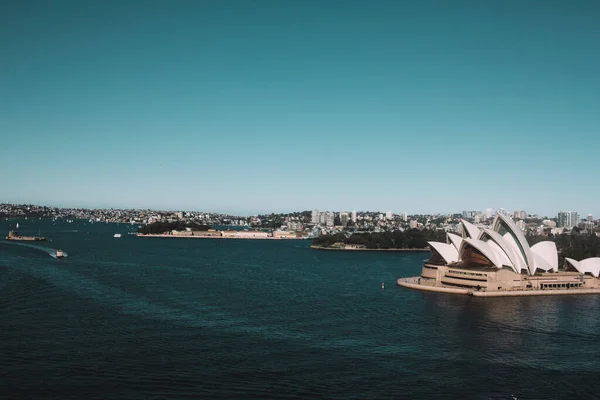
x,y
363,249
413,283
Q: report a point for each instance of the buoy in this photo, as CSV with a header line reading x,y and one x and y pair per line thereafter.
x,y
382,285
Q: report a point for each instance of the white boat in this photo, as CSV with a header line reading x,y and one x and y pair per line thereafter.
x,y
117,235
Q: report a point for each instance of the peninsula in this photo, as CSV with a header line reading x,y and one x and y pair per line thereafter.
x,y
407,240
182,230
498,261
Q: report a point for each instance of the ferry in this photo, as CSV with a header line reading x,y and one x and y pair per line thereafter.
x,y
59,254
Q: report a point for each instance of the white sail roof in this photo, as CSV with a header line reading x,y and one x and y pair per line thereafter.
x,y
455,239
472,231
484,248
518,239
516,262
589,265
547,251
447,251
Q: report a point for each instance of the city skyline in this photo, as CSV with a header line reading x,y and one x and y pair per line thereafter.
x,y
250,107
349,214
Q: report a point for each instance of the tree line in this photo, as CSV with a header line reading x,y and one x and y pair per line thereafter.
x,y
572,245
408,239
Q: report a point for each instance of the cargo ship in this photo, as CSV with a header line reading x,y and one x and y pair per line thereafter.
x,y
14,235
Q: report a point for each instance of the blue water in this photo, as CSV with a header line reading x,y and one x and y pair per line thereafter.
x,y
158,318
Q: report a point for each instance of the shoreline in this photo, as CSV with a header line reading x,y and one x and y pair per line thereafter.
x,y
413,283
361,249
217,237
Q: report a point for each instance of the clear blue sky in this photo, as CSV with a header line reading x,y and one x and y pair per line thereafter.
x,y
251,106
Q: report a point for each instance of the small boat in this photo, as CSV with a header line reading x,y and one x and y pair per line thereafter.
x,y
117,235
59,254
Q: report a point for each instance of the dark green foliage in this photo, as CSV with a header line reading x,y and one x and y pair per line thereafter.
x,y
162,227
409,239
328,240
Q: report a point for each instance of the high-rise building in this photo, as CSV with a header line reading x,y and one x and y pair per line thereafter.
x,y
344,218
470,214
489,213
354,216
590,217
515,214
330,218
523,214
388,215
323,218
405,216
568,219
315,217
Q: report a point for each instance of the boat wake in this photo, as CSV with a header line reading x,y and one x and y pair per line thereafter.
x,y
48,250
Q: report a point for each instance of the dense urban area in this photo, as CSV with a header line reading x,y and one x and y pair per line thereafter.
x,y
321,222
575,236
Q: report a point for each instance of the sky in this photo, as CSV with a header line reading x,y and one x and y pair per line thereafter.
x,y
271,106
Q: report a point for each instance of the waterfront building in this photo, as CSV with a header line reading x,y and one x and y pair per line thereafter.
x,y
568,219
499,259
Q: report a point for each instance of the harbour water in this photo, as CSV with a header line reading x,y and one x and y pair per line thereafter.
x,y
158,318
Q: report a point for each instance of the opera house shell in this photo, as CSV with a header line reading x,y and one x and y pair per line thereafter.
x,y
499,259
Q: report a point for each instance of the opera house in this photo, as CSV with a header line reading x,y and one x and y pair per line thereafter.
x,y
498,261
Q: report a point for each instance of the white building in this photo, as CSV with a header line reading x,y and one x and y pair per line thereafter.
x,y
315,216
329,218
568,219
